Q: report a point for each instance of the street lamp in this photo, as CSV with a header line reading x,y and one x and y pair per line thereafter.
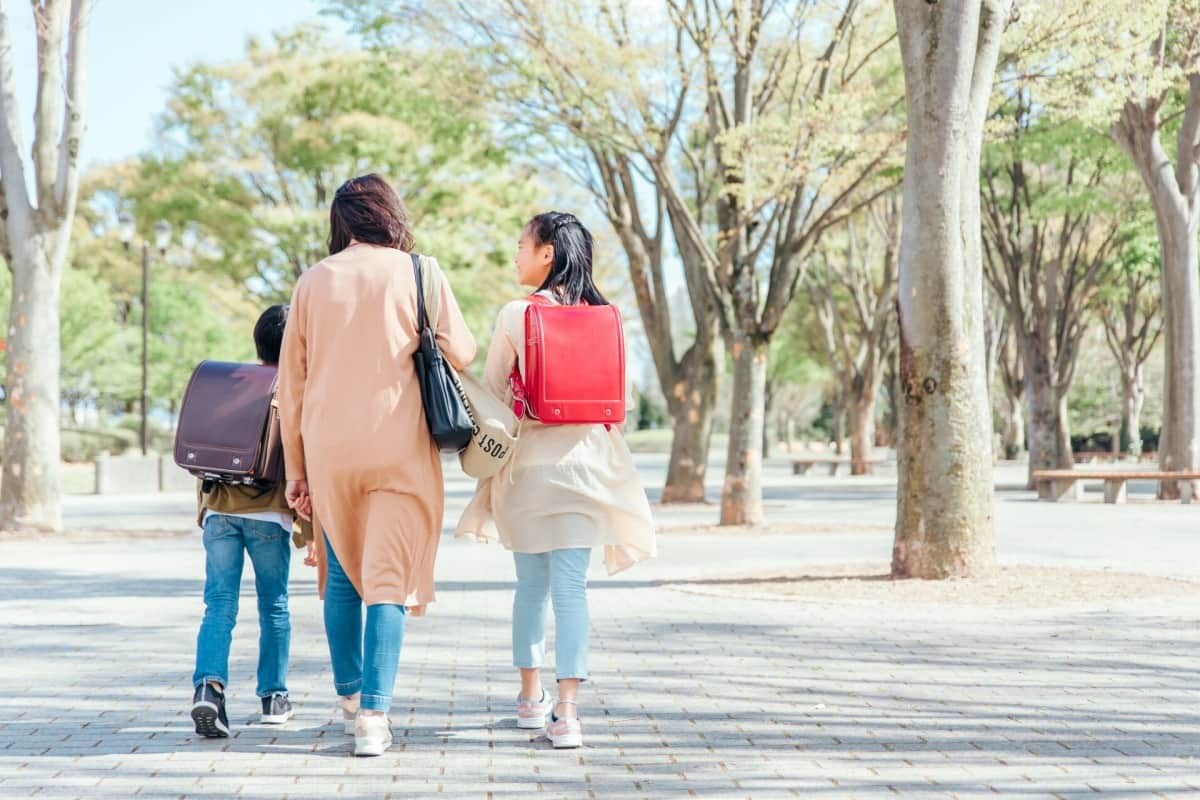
x,y
162,238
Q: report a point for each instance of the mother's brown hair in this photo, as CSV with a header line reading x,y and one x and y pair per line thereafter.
x,y
367,209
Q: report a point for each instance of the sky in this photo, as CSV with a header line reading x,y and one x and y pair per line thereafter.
x,y
134,46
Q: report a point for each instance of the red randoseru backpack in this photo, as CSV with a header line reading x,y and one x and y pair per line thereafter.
x,y
574,365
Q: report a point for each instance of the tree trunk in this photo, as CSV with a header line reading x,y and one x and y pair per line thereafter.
x,y
768,408
1013,436
691,404
1174,196
862,426
944,499
1177,449
30,494
862,434
35,233
741,499
894,393
1049,436
1133,395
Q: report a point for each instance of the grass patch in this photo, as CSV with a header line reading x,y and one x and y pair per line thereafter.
x,y
659,441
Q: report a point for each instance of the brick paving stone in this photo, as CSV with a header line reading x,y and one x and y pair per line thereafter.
x,y
692,695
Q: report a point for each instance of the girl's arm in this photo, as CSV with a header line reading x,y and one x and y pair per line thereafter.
x,y
502,353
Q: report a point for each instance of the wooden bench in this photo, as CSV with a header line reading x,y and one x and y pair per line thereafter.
x,y
1060,484
801,466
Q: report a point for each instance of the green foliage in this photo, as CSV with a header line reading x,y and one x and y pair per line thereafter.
x,y
190,321
96,361
94,346
1135,267
649,415
1066,168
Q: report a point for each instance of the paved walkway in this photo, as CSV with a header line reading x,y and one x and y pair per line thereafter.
x,y
692,696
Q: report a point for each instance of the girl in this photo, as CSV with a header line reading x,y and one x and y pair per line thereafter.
x,y
566,490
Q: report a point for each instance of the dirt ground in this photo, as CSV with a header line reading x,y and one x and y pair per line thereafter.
x,y
1011,586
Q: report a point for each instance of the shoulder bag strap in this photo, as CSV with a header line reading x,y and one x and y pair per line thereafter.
x,y
422,316
429,290
433,290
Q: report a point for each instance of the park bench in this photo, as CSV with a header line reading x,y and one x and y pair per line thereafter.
x,y
1060,483
801,466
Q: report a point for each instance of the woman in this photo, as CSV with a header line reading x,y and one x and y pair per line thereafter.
x,y
359,456
567,489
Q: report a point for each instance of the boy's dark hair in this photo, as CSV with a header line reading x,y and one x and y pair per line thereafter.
x,y
268,334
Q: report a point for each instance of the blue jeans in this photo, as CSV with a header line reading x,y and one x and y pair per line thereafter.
x,y
561,576
226,541
349,648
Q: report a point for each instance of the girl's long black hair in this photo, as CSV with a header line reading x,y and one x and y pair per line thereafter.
x,y
570,277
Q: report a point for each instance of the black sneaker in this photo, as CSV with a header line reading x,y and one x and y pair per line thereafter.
x,y
208,711
276,709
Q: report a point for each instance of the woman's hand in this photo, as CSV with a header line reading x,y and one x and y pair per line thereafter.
x,y
298,498
310,554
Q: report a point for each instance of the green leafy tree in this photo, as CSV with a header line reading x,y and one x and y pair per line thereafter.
x,y
96,367
250,154
1053,218
854,293
96,362
189,323
1131,310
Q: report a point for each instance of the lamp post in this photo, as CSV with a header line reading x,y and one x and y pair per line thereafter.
x,y
162,237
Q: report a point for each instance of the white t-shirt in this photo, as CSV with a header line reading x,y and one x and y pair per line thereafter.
x,y
280,518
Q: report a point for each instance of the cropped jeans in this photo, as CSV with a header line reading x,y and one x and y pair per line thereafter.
x,y
363,661
560,577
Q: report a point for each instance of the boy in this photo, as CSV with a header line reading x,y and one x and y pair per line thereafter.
x,y
239,520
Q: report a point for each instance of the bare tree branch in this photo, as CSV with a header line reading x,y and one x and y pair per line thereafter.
x,y
50,19
12,167
66,182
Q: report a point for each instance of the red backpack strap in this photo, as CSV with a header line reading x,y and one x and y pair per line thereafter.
x,y
515,381
517,384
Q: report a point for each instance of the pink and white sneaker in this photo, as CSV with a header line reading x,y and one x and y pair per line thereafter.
x,y
564,732
532,714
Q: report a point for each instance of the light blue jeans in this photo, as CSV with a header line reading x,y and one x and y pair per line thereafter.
x,y
349,648
226,541
561,577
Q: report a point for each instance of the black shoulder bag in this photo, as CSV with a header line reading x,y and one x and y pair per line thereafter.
x,y
445,412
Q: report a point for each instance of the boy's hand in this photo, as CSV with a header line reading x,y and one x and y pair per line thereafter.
x,y
298,498
310,554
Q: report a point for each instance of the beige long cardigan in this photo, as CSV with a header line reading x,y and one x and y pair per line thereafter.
x,y
353,424
565,485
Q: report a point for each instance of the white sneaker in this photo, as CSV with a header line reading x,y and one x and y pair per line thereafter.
x,y
531,714
349,708
372,735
